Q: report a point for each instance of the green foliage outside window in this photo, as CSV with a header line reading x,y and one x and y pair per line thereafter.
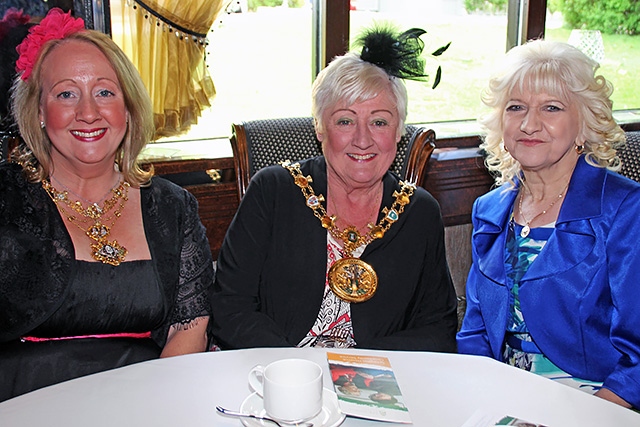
x,y
554,5
485,6
255,4
608,16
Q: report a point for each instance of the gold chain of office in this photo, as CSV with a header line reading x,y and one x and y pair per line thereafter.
x,y
351,279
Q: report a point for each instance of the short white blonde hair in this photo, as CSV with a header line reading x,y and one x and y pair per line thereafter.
x,y
351,80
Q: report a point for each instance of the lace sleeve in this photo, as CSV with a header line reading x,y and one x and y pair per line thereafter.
x,y
196,272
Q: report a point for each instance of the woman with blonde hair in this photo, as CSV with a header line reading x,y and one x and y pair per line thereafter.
x,y
554,281
102,265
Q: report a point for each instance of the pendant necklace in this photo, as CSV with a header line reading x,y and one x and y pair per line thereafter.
x,y
95,220
526,228
350,278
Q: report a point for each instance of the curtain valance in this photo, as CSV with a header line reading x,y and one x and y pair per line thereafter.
x,y
166,40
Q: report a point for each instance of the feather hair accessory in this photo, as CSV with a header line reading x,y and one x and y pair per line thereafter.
x,y
399,54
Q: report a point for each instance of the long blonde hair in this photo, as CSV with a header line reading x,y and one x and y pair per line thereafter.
x,y
35,153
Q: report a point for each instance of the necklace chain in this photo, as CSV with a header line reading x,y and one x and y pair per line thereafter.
x,y
94,220
373,212
102,199
527,228
351,279
350,236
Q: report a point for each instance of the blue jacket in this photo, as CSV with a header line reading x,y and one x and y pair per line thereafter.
x,y
581,296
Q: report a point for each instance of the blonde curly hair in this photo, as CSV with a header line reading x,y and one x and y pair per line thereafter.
x,y
559,69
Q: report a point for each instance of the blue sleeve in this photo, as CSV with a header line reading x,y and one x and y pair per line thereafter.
x,y
623,254
472,337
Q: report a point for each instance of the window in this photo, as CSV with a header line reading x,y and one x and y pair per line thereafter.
x,y
618,58
262,60
477,41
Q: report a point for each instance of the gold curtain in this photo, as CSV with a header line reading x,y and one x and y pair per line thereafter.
x,y
166,40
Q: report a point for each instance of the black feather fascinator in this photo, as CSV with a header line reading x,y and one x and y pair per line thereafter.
x,y
399,54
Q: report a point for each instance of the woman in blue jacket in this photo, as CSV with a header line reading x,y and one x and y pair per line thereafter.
x,y
555,280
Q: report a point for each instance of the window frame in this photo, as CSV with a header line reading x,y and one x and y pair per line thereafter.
x,y
526,19
96,14
331,26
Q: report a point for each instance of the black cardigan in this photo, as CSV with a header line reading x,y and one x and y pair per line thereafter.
x,y
272,268
36,254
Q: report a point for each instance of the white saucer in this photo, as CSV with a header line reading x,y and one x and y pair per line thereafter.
x,y
329,416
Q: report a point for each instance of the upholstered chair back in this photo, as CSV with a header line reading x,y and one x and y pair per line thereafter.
x,y
630,156
260,143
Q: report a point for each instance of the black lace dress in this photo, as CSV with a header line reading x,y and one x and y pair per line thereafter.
x,y
102,299
46,293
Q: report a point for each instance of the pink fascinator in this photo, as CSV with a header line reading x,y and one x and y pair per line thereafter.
x,y
55,26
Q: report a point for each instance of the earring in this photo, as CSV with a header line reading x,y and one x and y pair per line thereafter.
x,y
579,148
41,125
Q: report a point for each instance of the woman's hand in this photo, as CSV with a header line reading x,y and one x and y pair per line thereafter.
x,y
187,340
607,394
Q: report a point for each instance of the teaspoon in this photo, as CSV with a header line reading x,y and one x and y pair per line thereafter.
x,y
256,417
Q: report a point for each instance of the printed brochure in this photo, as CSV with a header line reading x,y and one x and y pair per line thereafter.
x,y
367,388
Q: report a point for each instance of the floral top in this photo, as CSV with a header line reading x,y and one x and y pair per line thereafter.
x,y
520,350
333,327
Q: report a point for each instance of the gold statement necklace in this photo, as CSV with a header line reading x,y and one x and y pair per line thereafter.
x,y
95,220
351,279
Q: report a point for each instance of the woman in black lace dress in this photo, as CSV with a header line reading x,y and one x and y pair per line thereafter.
x,y
101,265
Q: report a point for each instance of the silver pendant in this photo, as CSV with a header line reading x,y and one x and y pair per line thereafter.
x,y
525,231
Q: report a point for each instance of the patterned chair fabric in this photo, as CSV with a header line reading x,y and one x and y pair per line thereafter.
x,y
630,156
260,143
271,141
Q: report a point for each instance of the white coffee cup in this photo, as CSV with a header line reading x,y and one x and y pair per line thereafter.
x,y
291,389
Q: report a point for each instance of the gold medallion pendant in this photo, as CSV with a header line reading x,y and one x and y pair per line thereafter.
x,y
352,279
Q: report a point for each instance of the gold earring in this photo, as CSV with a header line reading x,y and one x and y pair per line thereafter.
x,y
579,148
